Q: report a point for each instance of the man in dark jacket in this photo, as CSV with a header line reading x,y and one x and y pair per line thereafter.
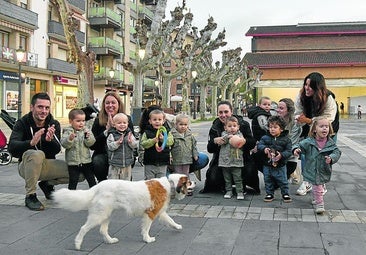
x,y
214,178
35,142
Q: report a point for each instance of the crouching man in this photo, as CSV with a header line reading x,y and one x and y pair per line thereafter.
x,y
35,142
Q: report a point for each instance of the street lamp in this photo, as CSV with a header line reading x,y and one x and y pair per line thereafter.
x,y
111,74
194,75
142,53
157,90
20,56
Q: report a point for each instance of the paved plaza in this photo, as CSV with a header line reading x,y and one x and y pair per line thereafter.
x,y
211,224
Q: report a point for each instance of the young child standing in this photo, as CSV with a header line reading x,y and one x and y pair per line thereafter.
x,y
77,139
320,152
184,149
277,146
156,146
231,157
120,143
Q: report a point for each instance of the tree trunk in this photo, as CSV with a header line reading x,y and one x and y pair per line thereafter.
x,y
84,61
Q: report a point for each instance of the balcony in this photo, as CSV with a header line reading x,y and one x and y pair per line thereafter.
x,y
146,14
103,74
79,4
56,30
9,55
105,46
54,64
103,17
18,15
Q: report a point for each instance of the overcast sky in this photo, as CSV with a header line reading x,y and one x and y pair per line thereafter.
x,y
237,16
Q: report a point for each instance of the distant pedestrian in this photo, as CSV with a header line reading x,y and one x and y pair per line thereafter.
x,y
77,139
359,111
320,152
342,108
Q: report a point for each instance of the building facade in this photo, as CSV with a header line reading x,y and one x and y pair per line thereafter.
x,y
286,54
105,27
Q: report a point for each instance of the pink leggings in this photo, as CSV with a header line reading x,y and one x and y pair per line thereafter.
x,y
318,191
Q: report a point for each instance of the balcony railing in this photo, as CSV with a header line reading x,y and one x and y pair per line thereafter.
x,y
9,55
104,17
105,45
54,64
19,15
145,13
103,74
80,4
57,30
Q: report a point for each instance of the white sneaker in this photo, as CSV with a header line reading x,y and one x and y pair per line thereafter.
x,y
304,188
228,195
240,196
319,209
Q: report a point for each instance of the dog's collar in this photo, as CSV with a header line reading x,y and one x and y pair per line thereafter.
x,y
172,189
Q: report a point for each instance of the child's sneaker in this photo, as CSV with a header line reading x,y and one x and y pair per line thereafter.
x,y
228,195
268,198
286,198
304,188
319,209
240,196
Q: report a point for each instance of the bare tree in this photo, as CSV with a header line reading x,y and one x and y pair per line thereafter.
x,y
84,61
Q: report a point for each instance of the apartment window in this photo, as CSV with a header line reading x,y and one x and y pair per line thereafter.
x,y
132,22
4,39
76,23
179,89
24,4
179,78
167,64
23,42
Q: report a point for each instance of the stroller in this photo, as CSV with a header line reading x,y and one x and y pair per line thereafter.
x,y
5,156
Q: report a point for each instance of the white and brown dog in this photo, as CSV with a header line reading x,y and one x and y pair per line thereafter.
x,y
148,199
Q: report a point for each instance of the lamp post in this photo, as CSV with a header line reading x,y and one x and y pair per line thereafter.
x,y
111,74
194,75
20,55
157,90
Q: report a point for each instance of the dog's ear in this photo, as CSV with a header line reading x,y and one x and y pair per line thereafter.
x,y
182,185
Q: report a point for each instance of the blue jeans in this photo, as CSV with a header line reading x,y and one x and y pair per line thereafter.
x,y
273,176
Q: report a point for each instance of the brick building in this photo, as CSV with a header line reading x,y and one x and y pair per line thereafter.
x,y
286,54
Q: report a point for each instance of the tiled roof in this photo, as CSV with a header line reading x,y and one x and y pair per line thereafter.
x,y
303,59
309,29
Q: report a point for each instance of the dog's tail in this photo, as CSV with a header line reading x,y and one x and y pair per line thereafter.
x,y
73,200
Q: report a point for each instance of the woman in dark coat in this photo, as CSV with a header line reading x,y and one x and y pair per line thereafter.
x,y
214,178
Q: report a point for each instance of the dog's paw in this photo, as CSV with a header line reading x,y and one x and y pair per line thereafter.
x,y
177,226
149,239
77,246
111,240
